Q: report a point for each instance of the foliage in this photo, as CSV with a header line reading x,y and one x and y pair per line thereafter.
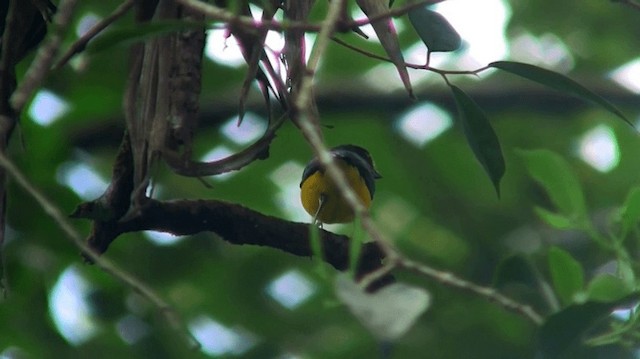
x,y
548,268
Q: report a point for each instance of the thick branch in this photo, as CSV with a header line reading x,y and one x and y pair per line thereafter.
x,y
238,225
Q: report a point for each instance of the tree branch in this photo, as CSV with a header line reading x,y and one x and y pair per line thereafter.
x,y
82,42
236,224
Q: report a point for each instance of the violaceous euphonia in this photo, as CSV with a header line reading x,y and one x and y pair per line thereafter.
x,y
319,195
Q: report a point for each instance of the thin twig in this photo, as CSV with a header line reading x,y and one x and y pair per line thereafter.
x,y
220,14
135,284
41,65
407,64
450,280
81,43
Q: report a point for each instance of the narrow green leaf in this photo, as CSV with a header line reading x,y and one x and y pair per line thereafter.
x,y
566,274
434,30
555,220
630,211
480,136
564,330
607,288
130,34
554,174
388,37
558,82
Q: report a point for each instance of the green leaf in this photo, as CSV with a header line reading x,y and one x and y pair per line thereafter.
x,y
558,82
626,273
630,211
565,329
607,288
388,37
434,30
388,313
555,220
554,174
126,35
566,274
480,136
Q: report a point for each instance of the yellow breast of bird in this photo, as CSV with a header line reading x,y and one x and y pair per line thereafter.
x,y
335,209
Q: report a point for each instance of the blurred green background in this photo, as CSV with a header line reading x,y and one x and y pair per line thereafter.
x,y
435,201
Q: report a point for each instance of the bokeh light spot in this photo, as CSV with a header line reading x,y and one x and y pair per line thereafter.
x,y
217,339
223,48
47,107
599,149
162,238
69,309
423,123
291,289
623,314
548,50
251,128
481,24
627,75
86,22
81,179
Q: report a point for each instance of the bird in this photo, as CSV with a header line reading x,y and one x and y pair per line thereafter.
x,y
321,197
